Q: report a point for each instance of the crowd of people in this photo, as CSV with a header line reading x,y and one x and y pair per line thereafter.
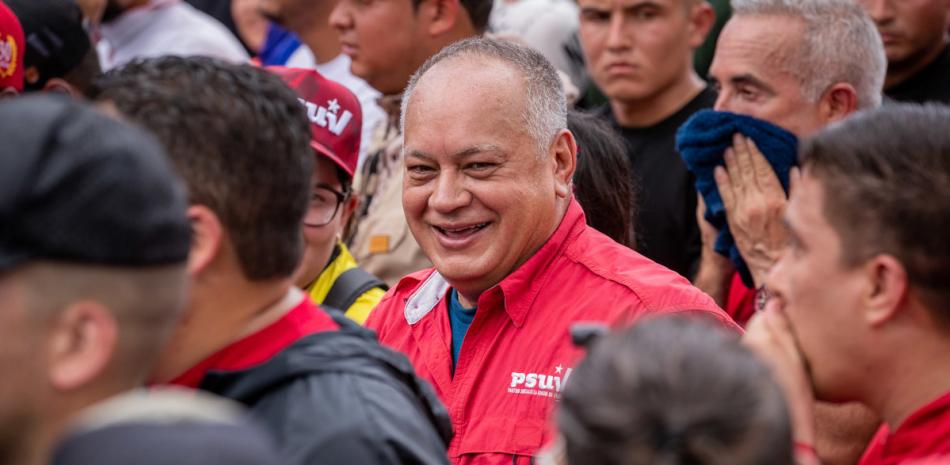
x,y
472,232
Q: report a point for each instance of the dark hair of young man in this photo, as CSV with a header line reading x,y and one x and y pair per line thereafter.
x,y
478,12
890,172
639,400
215,120
84,75
602,182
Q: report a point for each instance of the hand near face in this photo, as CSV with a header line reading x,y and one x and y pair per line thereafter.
x,y
754,202
770,335
715,270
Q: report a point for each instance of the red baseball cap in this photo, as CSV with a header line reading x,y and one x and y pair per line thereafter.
x,y
12,44
335,115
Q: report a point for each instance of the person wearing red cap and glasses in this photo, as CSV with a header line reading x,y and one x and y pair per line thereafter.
x,y
11,53
328,272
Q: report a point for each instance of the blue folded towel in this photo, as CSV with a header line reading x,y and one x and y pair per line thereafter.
x,y
702,141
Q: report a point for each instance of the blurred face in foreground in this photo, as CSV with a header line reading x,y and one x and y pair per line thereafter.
x,y
821,294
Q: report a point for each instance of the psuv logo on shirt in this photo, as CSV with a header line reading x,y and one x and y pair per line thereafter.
x,y
328,116
538,384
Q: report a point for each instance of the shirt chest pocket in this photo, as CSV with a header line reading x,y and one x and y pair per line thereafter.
x,y
510,435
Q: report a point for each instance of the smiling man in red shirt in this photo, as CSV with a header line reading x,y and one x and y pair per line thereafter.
x,y
487,195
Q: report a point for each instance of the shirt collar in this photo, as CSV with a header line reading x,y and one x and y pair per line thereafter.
x,y
257,348
518,291
929,421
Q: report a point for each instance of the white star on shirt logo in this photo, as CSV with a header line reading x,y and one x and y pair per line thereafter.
x,y
558,369
333,106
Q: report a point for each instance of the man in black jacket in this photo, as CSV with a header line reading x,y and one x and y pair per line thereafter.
x,y
324,388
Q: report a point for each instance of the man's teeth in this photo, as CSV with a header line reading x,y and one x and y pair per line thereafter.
x,y
464,230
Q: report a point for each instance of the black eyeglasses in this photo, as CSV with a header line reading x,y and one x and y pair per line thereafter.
x,y
324,204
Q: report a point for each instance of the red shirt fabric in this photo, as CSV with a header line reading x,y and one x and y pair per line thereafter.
x,y
517,354
740,302
302,320
926,433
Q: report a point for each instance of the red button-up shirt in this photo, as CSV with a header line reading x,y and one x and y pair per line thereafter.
x,y
517,353
926,433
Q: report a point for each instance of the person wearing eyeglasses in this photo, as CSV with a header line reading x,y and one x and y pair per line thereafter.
x,y
328,272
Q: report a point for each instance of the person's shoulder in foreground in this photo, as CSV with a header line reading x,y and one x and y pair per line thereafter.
x,y
380,412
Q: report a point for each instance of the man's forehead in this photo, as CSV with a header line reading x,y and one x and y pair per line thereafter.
x,y
465,80
757,45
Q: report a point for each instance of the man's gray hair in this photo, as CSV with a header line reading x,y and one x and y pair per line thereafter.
x,y
840,44
545,111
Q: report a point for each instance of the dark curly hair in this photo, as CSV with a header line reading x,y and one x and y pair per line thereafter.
x,y
241,140
478,12
674,390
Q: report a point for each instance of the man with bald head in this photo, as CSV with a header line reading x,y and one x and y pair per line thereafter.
x,y
488,196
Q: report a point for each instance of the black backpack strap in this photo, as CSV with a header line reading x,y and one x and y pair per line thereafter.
x,y
349,286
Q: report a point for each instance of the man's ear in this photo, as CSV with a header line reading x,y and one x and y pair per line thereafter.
x,y
839,101
83,340
349,207
206,238
887,289
60,86
564,157
440,16
702,17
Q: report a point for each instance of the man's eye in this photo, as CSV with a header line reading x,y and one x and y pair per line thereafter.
x,y
794,245
748,93
420,169
480,166
595,16
645,14
321,199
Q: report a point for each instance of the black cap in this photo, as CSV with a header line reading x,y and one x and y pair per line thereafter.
x,y
77,186
56,40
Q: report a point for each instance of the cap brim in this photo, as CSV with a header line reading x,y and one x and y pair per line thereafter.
x,y
321,150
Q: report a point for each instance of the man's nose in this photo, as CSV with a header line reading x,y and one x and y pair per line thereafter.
x,y
617,38
340,17
449,194
881,11
722,101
